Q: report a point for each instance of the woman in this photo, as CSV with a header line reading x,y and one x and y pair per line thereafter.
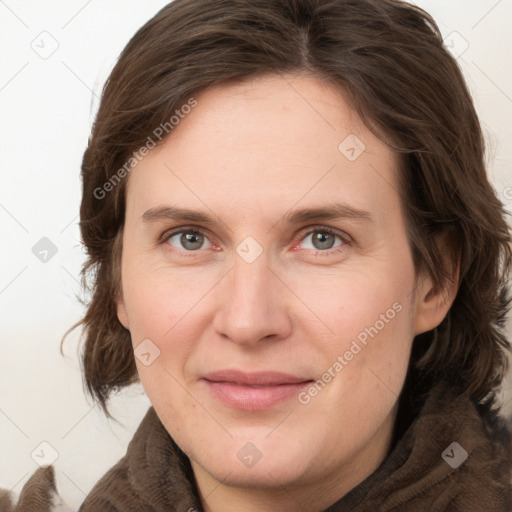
x,y
294,245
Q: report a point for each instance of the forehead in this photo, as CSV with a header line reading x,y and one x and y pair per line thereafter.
x,y
263,145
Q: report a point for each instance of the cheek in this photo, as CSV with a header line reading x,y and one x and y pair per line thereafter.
x,y
357,305
363,368
364,355
159,299
168,310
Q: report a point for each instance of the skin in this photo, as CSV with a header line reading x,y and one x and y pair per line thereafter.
x,y
248,154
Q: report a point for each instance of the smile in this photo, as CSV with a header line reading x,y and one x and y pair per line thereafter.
x,y
253,391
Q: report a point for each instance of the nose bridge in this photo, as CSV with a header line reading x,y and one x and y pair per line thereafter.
x,y
250,282
251,306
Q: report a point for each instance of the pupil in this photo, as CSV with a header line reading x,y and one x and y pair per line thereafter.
x,y
191,238
321,239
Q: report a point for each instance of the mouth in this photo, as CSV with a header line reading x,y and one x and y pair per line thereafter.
x,y
253,391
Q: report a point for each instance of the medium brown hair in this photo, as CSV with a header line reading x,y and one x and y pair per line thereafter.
x,y
389,57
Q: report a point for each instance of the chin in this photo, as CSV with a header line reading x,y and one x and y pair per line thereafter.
x,y
257,463
270,473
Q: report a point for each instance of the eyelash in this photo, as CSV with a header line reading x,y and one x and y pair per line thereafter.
x,y
315,229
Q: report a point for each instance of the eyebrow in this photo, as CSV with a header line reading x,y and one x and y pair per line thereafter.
x,y
328,212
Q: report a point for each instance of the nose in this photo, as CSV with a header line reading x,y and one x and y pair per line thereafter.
x,y
253,304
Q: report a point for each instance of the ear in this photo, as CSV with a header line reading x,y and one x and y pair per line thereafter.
x,y
432,304
122,314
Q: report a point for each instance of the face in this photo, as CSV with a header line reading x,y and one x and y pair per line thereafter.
x,y
268,281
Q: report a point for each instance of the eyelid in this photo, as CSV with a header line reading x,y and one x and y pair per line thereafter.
x,y
334,231
182,229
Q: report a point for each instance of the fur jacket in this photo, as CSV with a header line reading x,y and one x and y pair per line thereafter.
x,y
453,457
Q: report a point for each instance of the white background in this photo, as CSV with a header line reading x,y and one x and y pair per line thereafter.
x,y
47,106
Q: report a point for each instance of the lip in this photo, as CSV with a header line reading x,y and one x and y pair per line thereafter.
x,y
253,391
